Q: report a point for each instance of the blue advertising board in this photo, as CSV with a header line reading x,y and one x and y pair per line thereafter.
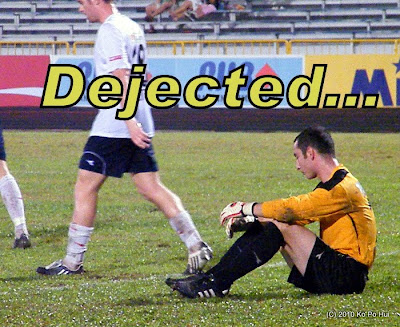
x,y
185,68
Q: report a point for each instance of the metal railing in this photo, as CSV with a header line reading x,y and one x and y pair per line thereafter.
x,y
202,47
34,48
216,47
263,47
343,46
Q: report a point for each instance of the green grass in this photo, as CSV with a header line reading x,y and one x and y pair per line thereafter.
x,y
133,248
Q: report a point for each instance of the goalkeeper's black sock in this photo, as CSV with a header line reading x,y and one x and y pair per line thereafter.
x,y
254,248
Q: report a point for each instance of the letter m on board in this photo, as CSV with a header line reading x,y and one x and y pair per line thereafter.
x,y
377,85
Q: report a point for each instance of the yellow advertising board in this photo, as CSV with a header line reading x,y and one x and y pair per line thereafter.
x,y
351,80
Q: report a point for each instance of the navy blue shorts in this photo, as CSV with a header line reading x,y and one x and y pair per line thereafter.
x,y
329,271
115,156
2,148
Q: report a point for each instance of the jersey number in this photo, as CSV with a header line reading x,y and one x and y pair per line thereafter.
x,y
139,55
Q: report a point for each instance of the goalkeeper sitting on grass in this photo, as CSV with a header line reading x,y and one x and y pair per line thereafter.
x,y
337,262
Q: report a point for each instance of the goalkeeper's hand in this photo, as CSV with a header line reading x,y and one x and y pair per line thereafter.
x,y
239,225
237,210
238,215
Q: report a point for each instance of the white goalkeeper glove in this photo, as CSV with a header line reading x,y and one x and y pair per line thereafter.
x,y
238,225
238,215
237,210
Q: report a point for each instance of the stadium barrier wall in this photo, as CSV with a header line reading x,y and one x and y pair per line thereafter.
x,y
360,74
23,79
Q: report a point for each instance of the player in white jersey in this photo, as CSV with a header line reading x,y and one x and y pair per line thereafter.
x,y
118,146
12,198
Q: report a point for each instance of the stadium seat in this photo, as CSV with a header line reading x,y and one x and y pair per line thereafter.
x,y
293,19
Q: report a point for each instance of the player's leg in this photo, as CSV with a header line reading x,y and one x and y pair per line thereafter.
x,y
150,186
296,243
316,267
253,249
299,243
12,199
91,176
87,188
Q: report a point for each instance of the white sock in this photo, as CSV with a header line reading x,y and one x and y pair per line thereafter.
x,y
12,198
183,225
78,238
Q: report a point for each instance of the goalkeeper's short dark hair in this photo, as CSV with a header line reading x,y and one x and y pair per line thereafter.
x,y
318,138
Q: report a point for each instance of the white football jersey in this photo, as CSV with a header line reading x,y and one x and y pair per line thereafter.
x,y
120,43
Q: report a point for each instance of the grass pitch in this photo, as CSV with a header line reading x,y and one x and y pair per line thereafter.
x,y
133,247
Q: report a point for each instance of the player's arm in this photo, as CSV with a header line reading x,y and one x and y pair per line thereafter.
x,y
301,210
138,136
311,206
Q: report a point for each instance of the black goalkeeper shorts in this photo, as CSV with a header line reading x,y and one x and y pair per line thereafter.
x,y
329,271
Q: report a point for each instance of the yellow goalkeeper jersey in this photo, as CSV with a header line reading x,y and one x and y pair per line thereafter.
x,y
347,221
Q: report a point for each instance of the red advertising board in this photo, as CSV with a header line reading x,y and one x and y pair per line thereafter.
x,y
22,79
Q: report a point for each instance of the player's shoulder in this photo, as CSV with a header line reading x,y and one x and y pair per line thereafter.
x,y
120,21
118,25
336,179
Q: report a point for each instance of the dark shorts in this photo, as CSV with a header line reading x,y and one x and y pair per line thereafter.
x,y
115,156
2,148
329,271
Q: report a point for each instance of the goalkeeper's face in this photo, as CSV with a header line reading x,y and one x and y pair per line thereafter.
x,y
305,163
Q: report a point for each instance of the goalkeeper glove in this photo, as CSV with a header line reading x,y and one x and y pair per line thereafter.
x,y
239,225
237,210
239,216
